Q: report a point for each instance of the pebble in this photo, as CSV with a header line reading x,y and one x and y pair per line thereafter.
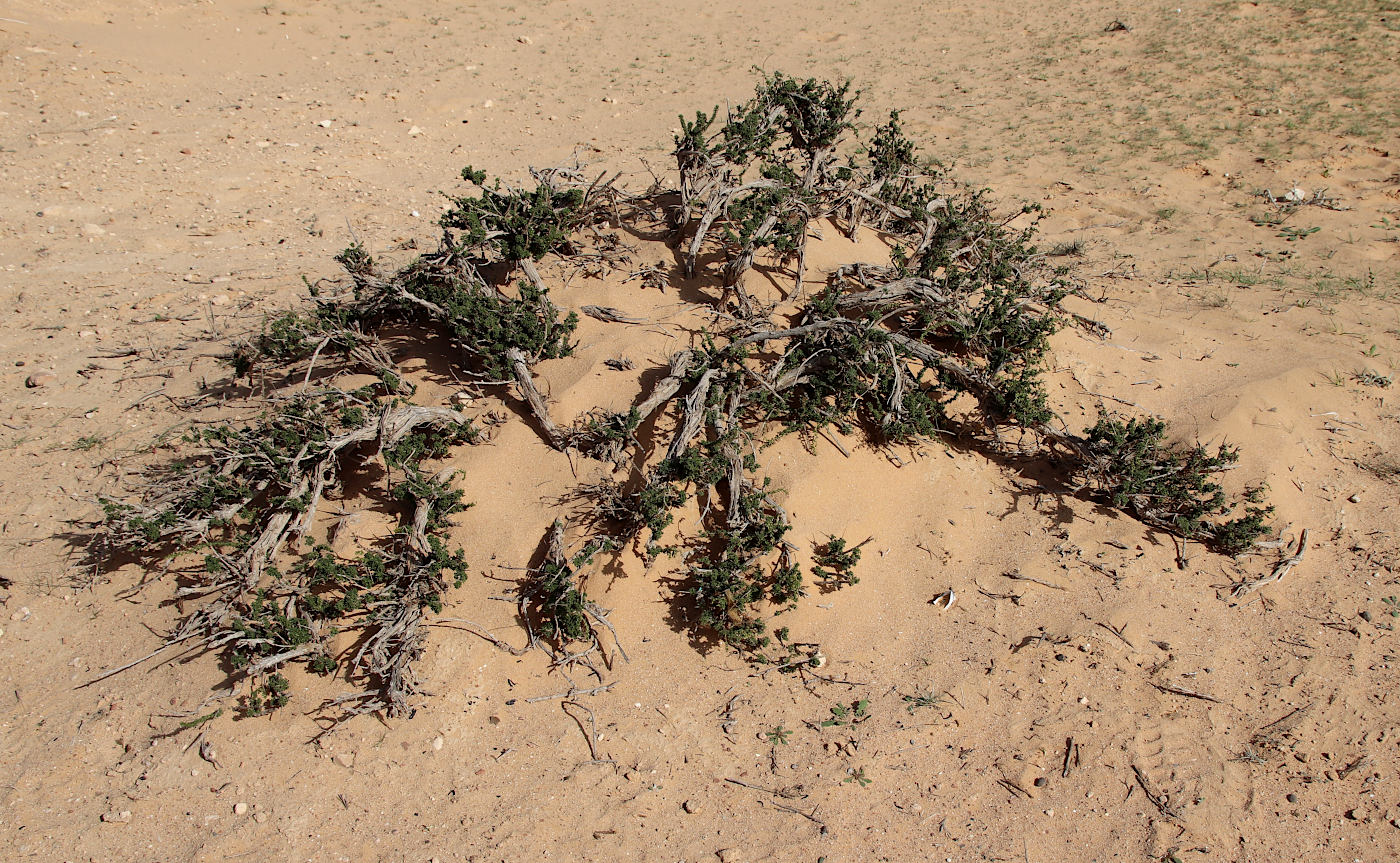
x,y
437,743
260,817
525,40
345,759
40,379
240,808
1291,798
21,614
1041,782
727,855
690,806
415,131
93,230
1356,498
114,817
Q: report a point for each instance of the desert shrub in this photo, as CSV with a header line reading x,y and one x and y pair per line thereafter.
x,y
946,340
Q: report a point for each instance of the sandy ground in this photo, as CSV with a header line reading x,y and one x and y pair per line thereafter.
x,y
172,170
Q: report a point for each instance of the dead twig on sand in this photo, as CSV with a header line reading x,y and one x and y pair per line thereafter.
x,y
1161,801
1187,693
1248,586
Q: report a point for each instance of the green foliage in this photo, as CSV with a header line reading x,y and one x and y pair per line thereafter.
x,y
266,696
733,574
858,776
518,225
920,700
487,325
1138,471
559,600
293,336
777,736
843,715
834,565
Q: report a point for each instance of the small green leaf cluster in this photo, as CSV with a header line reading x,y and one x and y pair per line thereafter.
x,y
559,600
487,324
1173,486
516,225
734,573
834,564
843,715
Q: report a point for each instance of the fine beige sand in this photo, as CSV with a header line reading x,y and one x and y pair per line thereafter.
x,y
171,171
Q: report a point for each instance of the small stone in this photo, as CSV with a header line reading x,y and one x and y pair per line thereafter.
x,y
1083,701
1050,813
240,808
1291,798
1366,616
525,40
727,855
437,743
40,379
415,131
21,614
345,759
691,807
220,300
260,817
1356,498
487,104
115,817
325,124
93,230
1041,782
1354,814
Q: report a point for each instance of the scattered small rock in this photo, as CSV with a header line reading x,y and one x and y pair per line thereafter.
x,y
115,817
1041,782
727,855
1366,616
437,743
415,131
525,40
1356,498
240,808
40,379
1291,798
21,614
691,807
260,817
93,230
